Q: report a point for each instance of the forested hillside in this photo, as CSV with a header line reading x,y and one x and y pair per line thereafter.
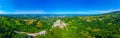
x,y
94,26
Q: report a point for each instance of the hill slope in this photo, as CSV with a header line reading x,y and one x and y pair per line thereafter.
x,y
98,26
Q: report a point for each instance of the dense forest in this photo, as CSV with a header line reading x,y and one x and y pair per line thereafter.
x,y
93,26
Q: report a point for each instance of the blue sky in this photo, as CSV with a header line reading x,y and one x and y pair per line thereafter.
x,y
58,6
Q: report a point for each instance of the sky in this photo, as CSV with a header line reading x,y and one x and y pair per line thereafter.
x,y
58,6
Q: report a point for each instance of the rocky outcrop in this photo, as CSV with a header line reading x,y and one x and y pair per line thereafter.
x,y
59,24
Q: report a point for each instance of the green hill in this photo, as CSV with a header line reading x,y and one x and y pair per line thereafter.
x,y
97,26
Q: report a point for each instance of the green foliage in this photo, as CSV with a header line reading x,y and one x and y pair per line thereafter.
x,y
99,26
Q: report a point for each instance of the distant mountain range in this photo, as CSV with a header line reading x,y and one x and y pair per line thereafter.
x,y
49,15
